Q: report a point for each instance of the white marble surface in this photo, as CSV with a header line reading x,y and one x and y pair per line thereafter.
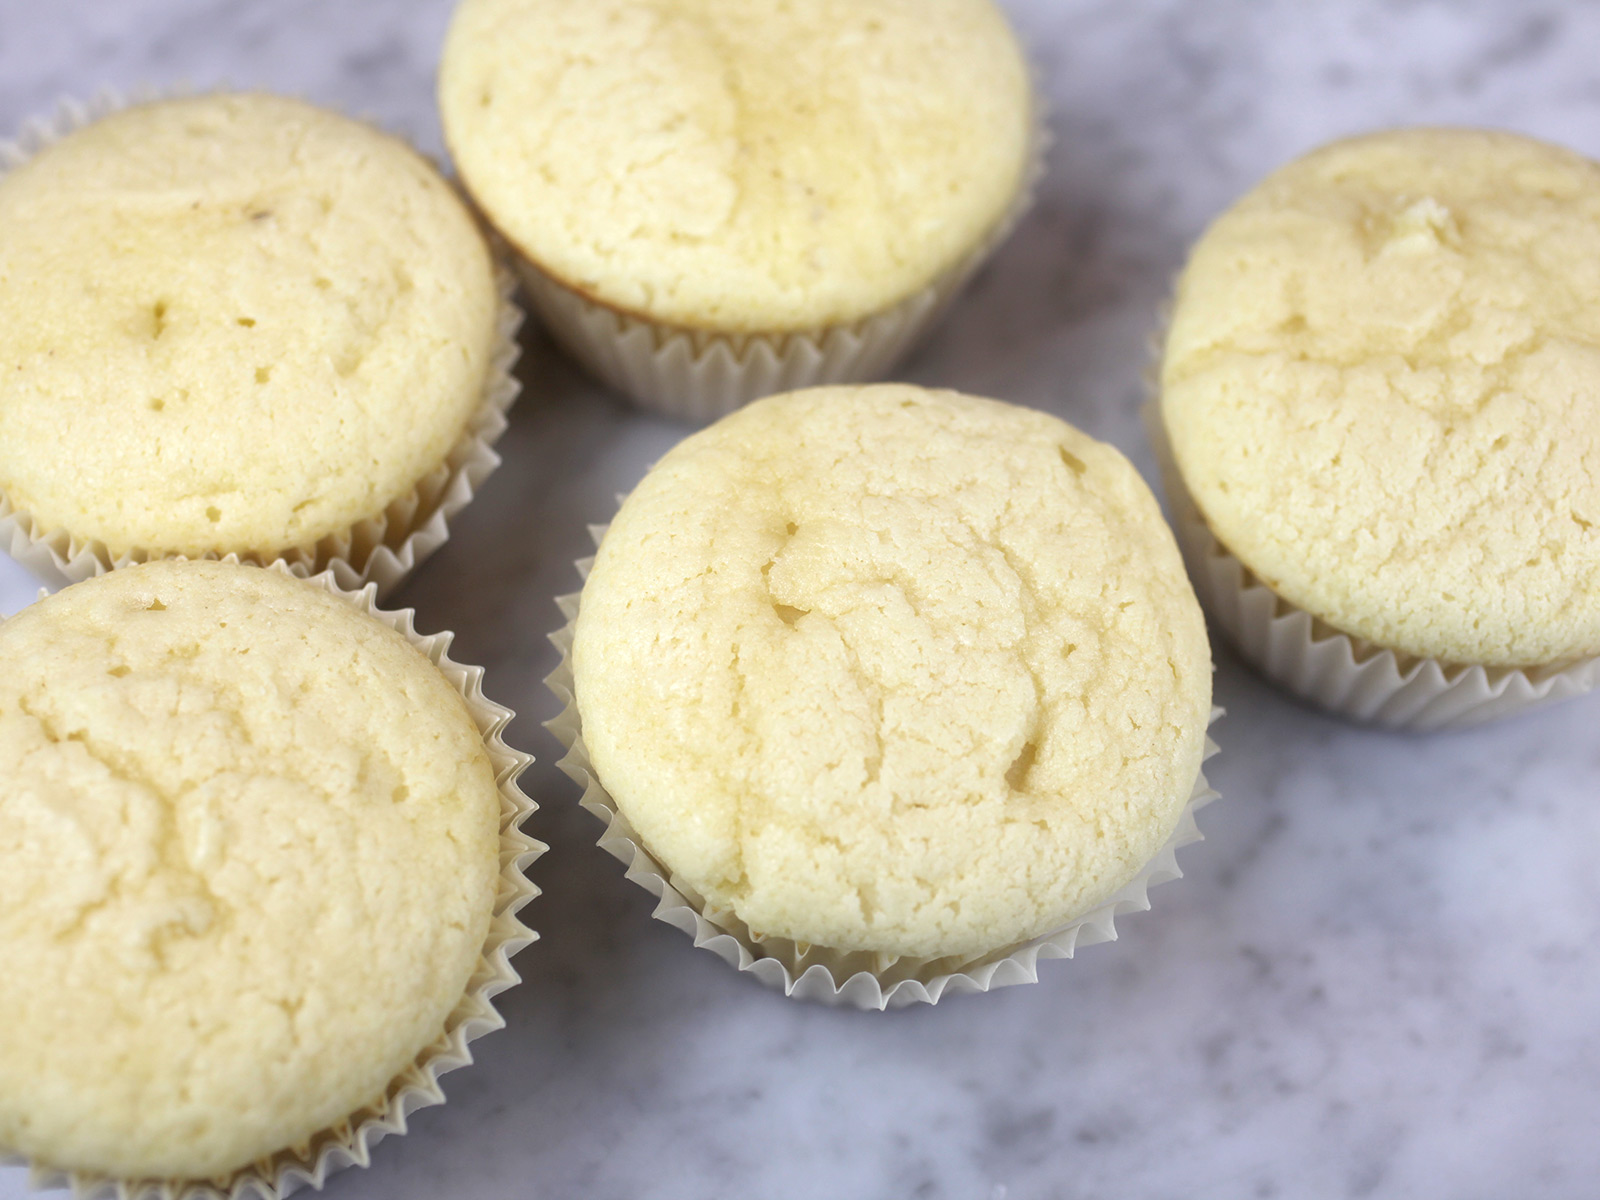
x,y
1378,979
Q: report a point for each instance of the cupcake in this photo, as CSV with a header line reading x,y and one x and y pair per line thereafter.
x,y
714,200
238,324
888,682
1381,390
257,877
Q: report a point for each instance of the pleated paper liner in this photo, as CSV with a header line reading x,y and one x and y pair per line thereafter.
x,y
858,979
698,375
1336,671
350,1141
381,549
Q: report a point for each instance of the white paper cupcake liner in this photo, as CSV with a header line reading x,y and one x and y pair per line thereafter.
x,y
1334,670
698,375
859,979
382,549
350,1141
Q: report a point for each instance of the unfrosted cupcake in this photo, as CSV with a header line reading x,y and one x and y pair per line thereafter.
x,y
888,679
251,857
237,323
719,199
1381,387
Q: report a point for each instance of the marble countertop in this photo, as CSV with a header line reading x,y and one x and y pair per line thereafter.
x,y
1379,976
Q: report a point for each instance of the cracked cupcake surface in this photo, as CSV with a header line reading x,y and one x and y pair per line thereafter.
x,y
248,860
1381,385
233,323
893,669
740,166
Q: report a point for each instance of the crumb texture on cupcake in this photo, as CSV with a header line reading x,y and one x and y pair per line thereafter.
x,y
739,165
232,323
897,670
1382,387
248,859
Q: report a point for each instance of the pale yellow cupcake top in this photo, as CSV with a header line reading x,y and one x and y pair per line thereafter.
x,y
739,165
248,860
892,669
232,323
1382,387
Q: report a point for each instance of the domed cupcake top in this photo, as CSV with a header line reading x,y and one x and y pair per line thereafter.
x,y
891,669
1382,387
248,858
739,165
232,323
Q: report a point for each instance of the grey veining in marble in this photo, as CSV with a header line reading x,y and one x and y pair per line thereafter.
x,y
1378,979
